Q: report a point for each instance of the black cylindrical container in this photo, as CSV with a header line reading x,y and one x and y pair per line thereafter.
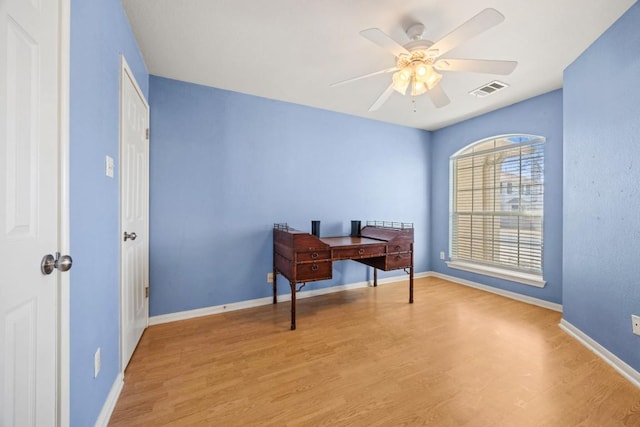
x,y
355,228
315,228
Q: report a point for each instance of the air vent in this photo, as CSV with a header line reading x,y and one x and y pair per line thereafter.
x,y
488,89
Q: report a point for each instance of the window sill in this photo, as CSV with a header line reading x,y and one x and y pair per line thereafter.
x,y
500,273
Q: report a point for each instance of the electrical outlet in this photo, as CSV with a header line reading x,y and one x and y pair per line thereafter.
x,y
442,255
96,363
635,324
269,277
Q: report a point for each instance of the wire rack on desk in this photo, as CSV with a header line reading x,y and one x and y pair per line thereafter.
x,y
390,224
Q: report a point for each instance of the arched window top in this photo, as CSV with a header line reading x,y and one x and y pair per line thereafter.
x,y
497,143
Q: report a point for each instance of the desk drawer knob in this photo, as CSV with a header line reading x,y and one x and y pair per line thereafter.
x,y
314,267
360,251
314,255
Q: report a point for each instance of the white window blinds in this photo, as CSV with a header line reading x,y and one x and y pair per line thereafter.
x,y
497,203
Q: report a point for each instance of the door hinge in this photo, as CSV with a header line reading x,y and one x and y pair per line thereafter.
x,y
147,134
146,292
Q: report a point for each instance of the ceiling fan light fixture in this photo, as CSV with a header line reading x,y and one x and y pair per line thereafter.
x,y
429,77
422,70
418,60
433,79
401,81
405,73
418,88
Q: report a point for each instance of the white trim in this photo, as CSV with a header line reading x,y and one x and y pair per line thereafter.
x,y
125,68
110,402
64,304
500,273
513,295
611,359
206,311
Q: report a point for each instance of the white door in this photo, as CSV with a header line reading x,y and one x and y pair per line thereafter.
x,y
134,207
29,210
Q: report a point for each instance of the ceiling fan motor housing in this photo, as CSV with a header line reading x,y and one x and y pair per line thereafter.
x,y
417,43
421,46
415,31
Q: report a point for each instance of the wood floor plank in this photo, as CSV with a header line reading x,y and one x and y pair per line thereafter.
x,y
456,357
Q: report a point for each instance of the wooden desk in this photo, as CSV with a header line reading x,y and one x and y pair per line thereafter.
x,y
302,257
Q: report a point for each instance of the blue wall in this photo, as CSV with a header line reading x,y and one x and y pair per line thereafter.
x,y
602,197
542,116
99,33
226,166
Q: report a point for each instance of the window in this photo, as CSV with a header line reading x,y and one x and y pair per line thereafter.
x,y
493,231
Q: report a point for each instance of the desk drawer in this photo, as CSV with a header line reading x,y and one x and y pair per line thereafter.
x,y
313,256
359,252
398,247
311,271
395,261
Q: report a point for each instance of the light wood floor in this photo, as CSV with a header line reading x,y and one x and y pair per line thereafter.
x,y
365,357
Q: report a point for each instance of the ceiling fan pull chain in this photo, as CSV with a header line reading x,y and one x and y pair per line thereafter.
x,y
413,101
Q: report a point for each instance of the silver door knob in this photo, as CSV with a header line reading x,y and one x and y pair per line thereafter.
x,y
64,263
131,236
50,263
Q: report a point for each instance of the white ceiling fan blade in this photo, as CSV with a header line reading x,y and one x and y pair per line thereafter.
x,y
481,22
382,98
377,36
438,97
476,66
386,70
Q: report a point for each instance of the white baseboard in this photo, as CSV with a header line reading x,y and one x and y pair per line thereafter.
x,y
614,361
206,311
513,295
110,403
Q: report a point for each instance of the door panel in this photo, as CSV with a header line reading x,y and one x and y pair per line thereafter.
x,y
21,132
29,213
134,196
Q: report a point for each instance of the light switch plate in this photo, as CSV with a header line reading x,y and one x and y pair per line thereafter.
x,y
109,166
96,363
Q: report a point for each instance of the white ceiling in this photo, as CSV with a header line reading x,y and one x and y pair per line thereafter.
x,y
292,50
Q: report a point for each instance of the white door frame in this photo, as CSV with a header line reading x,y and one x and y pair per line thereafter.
x,y
126,70
64,303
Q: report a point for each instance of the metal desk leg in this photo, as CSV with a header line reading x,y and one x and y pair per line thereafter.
x,y
293,306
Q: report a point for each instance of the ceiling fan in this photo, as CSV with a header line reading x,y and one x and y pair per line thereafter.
x,y
418,60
